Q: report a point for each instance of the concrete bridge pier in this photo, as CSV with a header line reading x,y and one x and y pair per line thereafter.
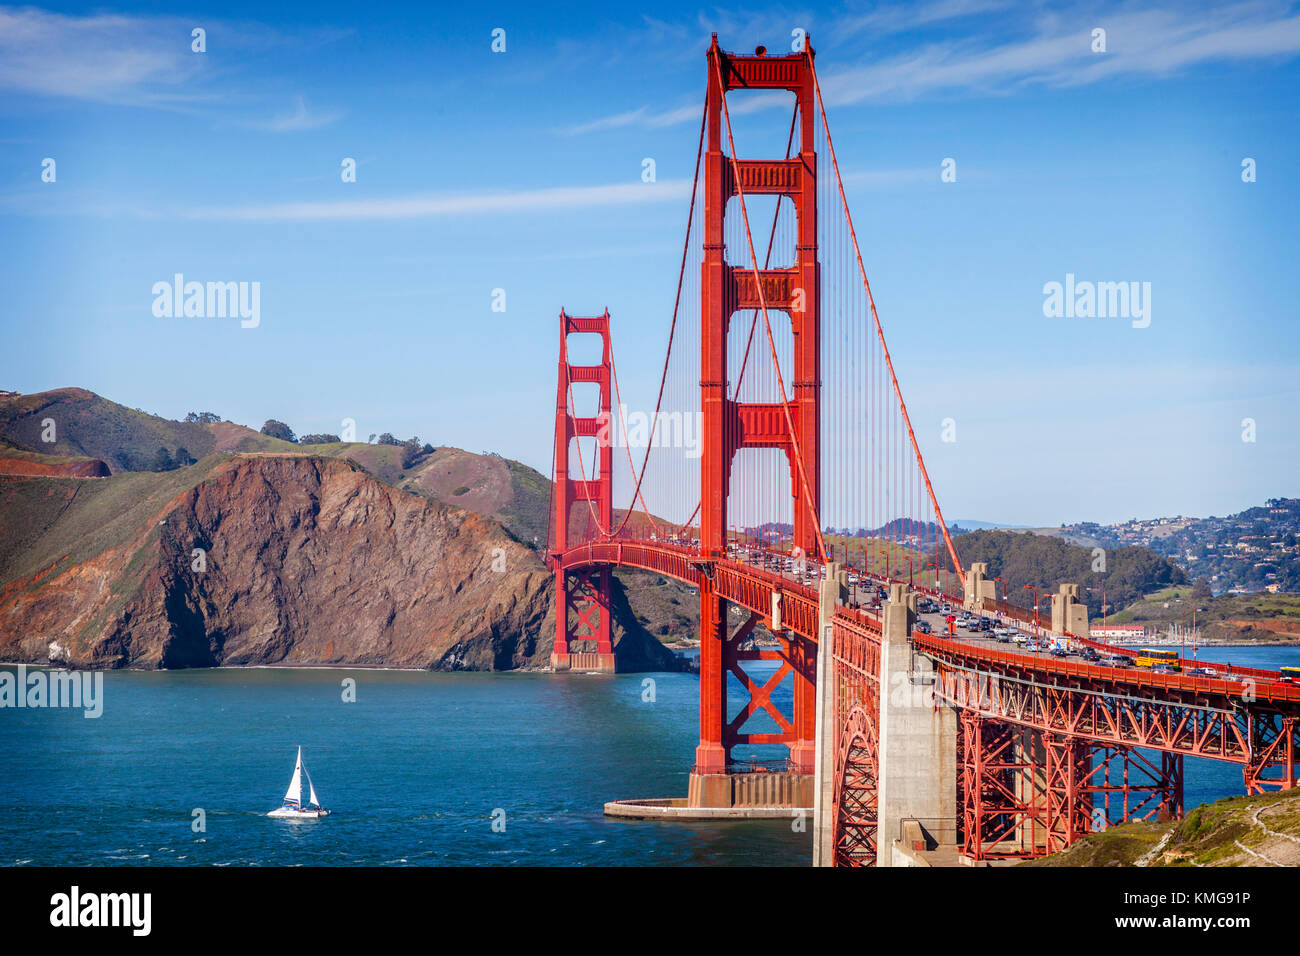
x,y
1068,615
917,746
980,593
834,588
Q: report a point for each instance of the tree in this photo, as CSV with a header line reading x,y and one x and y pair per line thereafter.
x,y
183,457
319,439
387,438
162,460
277,429
203,418
410,451
1201,590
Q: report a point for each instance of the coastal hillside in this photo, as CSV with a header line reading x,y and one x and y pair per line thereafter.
x,y
271,559
74,422
1228,618
19,461
506,491
93,434
1258,830
1024,559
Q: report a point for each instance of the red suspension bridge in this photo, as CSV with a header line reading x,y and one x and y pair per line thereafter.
x,y
805,486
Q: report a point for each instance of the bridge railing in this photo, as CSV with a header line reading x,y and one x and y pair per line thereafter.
x,y
753,587
1026,616
1185,661
1266,690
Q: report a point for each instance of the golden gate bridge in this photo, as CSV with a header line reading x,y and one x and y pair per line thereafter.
x,y
808,490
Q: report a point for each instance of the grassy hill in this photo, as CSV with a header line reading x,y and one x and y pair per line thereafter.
x,y
869,550
88,426
1258,830
39,528
1229,616
1022,558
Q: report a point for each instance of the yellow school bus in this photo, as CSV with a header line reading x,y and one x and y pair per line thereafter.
x,y
1152,657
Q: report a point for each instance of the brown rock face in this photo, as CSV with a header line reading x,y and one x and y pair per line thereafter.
x,y
301,561
83,468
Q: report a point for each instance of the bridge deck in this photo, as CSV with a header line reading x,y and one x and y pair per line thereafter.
x,y
752,587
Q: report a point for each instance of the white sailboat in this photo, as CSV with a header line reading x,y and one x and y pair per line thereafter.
x,y
293,808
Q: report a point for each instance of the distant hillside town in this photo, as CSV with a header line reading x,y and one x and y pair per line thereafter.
x,y
1253,551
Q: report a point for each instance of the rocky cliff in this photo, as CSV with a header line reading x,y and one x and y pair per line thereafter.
x,y
276,559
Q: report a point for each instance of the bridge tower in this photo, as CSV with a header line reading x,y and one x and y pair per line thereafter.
x,y
730,425
582,597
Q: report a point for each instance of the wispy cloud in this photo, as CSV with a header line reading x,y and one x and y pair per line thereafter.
x,y
645,117
641,116
1055,50
425,207
147,61
105,58
1153,43
901,18
300,119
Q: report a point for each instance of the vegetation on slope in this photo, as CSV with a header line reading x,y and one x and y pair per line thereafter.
x,y
1257,830
1022,558
1244,617
86,425
40,530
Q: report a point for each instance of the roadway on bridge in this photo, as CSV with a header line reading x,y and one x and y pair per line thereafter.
x,y
864,593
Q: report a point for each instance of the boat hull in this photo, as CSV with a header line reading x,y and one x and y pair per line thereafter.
x,y
289,813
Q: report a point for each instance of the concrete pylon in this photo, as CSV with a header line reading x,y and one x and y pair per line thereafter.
x,y
918,740
1068,615
978,590
834,591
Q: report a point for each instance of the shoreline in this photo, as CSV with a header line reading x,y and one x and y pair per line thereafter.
x,y
56,665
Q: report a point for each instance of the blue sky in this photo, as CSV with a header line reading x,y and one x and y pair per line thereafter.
x,y
522,171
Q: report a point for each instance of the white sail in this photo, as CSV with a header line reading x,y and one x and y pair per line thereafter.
x,y
294,793
314,801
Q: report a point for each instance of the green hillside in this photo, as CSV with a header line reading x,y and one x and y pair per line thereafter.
x,y
1024,558
39,528
1257,830
1247,617
86,425
128,440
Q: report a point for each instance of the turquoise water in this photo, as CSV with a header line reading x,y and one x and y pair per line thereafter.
x,y
414,771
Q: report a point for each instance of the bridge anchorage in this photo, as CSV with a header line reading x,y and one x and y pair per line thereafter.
x,y
808,525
